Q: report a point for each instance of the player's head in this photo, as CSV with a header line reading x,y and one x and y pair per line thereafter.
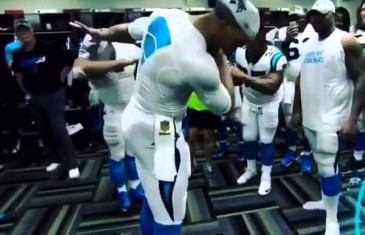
x,y
23,30
361,15
237,22
343,19
299,15
322,15
259,42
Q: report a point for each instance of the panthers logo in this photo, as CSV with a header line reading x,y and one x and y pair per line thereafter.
x,y
241,6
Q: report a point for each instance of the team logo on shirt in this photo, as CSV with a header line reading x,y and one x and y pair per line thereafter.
x,y
32,61
314,57
241,6
164,128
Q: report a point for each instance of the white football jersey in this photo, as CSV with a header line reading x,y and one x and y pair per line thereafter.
x,y
273,60
326,89
295,48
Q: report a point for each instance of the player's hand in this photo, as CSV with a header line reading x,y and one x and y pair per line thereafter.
x,y
292,31
94,33
349,128
295,121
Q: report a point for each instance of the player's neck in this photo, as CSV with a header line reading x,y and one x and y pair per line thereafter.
x,y
326,33
204,25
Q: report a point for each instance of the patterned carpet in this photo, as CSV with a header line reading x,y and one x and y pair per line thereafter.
x,y
41,203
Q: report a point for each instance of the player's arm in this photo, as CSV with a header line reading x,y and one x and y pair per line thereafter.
x,y
19,78
355,64
292,70
266,85
85,68
225,73
126,33
238,72
204,77
238,76
272,82
97,69
8,56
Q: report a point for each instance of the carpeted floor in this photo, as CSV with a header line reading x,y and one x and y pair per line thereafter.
x,y
41,203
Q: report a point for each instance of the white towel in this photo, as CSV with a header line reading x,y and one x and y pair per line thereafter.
x,y
164,157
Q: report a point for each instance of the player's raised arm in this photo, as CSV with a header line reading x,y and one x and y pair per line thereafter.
x,y
126,33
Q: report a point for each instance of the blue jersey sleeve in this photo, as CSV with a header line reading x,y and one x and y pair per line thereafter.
x,y
9,50
278,62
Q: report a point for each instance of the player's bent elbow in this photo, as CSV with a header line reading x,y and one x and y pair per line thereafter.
x,y
222,107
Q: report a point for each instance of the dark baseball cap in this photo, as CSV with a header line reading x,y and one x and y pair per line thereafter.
x,y
21,23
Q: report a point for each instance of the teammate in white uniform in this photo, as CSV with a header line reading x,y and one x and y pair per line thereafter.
x,y
293,38
180,55
114,89
260,68
333,64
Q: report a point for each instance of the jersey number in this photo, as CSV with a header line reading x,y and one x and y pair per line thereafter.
x,y
294,51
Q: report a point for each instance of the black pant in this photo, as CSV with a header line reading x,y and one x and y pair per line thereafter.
x,y
10,98
48,112
203,119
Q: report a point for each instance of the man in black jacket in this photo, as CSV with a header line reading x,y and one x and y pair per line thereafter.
x,y
40,70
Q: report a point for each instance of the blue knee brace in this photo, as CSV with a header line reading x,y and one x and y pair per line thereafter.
x,y
360,141
250,150
290,137
331,186
130,165
117,172
167,229
146,219
306,145
267,154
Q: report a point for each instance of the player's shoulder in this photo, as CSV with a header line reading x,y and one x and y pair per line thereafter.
x,y
13,46
240,58
273,50
282,33
348,40
273,53
197,66
270,35
240,53
190,59
168,13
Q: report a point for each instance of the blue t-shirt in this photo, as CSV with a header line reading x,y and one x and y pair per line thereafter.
x,y
10,48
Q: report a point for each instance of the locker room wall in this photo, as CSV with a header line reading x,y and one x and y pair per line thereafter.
x,y
32,6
